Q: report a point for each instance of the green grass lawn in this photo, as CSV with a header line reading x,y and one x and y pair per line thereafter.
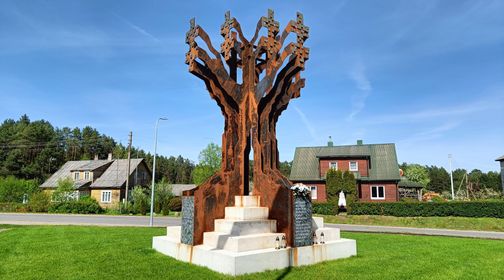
x,y
79,252
462,223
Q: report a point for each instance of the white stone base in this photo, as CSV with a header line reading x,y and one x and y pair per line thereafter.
x,y
244,242
237,263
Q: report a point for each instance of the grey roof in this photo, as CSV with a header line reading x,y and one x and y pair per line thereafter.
x,y
64,172
500,159
177,189
115,175
305,166
93,165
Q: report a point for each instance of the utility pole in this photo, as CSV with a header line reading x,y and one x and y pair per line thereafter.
x,y
451,176
129,164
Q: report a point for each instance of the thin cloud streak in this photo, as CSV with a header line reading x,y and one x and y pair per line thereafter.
x,y
136,28
358,75
307,124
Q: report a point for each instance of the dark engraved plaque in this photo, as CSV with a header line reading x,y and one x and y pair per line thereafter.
x,y
302,221
187,220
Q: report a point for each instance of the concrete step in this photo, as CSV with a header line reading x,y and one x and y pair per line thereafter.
x,y
330,234
245,227
317,222
246,213
224,241
174,232
247,201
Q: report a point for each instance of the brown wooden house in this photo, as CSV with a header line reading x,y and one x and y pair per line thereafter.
x,y
374,166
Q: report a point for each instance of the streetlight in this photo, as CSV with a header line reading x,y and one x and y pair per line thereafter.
x,y
151,222
451,176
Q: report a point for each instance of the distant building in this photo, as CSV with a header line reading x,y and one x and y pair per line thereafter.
x,y
104,180
178,189
374,166
501,160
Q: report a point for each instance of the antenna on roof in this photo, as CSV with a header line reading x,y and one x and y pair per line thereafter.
x,y
330,142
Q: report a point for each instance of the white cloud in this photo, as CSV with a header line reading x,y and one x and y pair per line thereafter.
x,y
358,75
307,124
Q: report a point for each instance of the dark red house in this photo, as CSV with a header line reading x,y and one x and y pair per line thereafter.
x,y
374,165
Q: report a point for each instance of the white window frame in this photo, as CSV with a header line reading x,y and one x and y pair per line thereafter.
x,y
356,165
106,196
377,192
313,190
86,175
335,163
76,176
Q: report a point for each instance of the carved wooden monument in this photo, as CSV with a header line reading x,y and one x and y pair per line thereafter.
x,y
270,77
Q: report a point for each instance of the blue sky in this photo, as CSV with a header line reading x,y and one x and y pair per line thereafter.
x,y
426,75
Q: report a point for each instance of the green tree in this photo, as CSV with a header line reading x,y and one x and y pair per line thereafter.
x,y
13,189
140,200
209,163
334,182
64,190
439,179
285,168
417,173
162,196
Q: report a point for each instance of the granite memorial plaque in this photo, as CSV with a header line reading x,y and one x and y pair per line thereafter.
x,y
302,221
187,231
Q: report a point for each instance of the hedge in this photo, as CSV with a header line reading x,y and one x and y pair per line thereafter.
x,y
82,206
325,208
493,209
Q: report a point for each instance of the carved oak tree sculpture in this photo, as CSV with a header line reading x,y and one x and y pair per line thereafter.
x,y
270,79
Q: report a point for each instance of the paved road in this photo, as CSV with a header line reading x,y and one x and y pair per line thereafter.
x,y
420,231
142,221
69,219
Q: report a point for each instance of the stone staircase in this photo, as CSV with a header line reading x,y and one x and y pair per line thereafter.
x,y
245,240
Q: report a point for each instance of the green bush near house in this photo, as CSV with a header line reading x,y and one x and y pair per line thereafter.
x,y
13,207
141,201
493,209
86,205
39,202
13,189
325,208
175,204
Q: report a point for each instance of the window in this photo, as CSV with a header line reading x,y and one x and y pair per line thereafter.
x,y
86,175
106,196
313,192
353,166
333,165
76,176
377,192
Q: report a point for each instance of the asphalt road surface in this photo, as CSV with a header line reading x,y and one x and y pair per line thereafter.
x,y
143,221
74,219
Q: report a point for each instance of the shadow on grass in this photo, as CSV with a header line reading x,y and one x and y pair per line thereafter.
x,y
285,273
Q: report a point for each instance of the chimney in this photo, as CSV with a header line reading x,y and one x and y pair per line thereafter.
x,y
330,142
359,142
95,157
109,156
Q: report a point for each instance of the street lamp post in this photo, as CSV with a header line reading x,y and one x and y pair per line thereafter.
x,y
451,176
151,222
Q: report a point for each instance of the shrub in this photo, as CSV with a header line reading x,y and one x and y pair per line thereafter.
x,y
325,208
12,207
140,200
64,190
175,204
494,209
13,189
86,205
39,202
163,195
